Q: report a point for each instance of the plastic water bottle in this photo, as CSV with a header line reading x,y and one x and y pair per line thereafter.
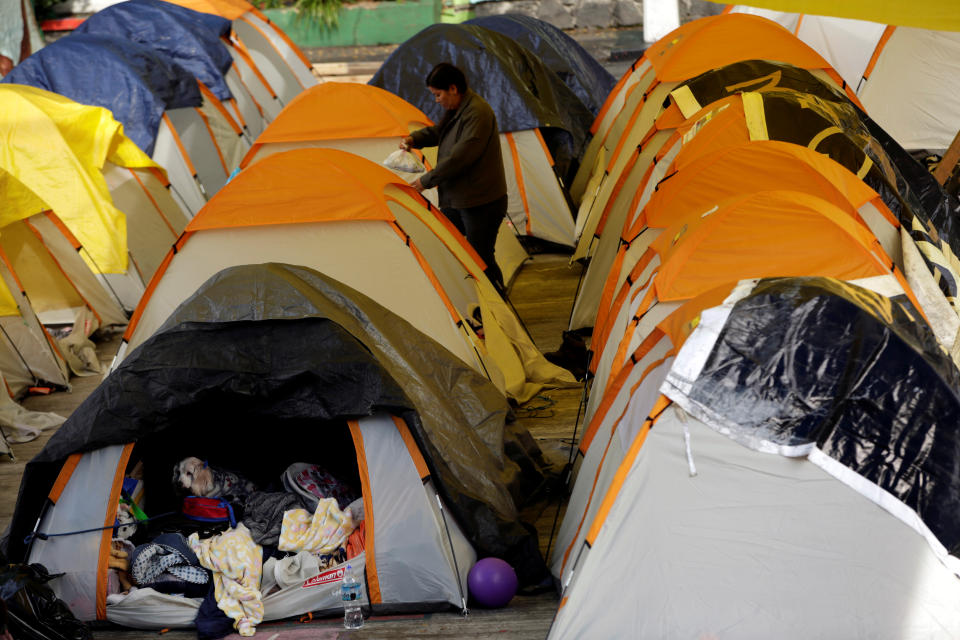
x,y
350,594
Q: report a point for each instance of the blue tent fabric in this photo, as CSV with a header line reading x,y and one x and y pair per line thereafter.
x,y
136,83
184,35
562,54
523,93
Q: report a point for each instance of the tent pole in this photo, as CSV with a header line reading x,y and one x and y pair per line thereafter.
x,y
19,355
48,338
568,470
464,611
107,283
950,158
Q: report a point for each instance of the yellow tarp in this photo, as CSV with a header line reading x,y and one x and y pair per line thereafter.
x,y
52,151
939,15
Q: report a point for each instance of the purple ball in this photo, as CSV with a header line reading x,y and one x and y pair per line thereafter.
x,y
492,583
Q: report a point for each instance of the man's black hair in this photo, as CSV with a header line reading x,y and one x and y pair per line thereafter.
x,y
445,75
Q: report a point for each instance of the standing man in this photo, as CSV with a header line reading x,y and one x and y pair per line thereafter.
x,y
469,170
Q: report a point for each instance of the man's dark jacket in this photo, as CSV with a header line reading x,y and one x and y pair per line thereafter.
x,y
469,169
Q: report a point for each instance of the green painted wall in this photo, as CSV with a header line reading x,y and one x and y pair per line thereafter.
x,y
380,23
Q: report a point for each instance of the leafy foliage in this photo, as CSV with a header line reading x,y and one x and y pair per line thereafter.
x,y
325,12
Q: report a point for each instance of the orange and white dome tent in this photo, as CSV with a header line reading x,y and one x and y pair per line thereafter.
x,y
787,233
904,75
350,219
369,122
692,49
715,536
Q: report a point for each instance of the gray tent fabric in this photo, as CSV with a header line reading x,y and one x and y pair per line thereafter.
x,y
522,91
820,368
278,343
753,546
562,54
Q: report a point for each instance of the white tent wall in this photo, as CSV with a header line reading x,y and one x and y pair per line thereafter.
x,y
413,560
622,211
368,256
846,44
243,107
629,129
752,543
83,504
256,84
27,353
921,68
57,280
283,69
509,252
154,219
185,186
18,374
641,76
227,133
620,320
208,159
536,205
300,68
101,300
597,467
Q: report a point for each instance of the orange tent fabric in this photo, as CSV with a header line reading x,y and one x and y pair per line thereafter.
x,y
759,234
229,9
752,166
304,185
764,234
716,41
338,110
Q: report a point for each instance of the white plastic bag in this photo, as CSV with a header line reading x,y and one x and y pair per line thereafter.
x,y
401,160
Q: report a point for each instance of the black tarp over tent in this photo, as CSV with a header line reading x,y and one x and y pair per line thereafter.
x,y
522,91
929,202
267,354
814,366
562,54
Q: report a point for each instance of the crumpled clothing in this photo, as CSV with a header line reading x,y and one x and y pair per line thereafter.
x,y
322,533
357,542
236,562
166,565
312,483
263,514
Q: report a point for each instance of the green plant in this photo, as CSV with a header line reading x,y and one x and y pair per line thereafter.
x,y
326,12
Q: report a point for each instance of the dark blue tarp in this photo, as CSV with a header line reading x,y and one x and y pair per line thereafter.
x,y
134,82
188,37
522,91
562,54
814,361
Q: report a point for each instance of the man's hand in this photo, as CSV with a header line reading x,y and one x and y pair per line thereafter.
x,y
417,185
406,143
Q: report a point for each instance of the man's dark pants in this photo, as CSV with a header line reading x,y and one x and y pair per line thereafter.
x,y
480,225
